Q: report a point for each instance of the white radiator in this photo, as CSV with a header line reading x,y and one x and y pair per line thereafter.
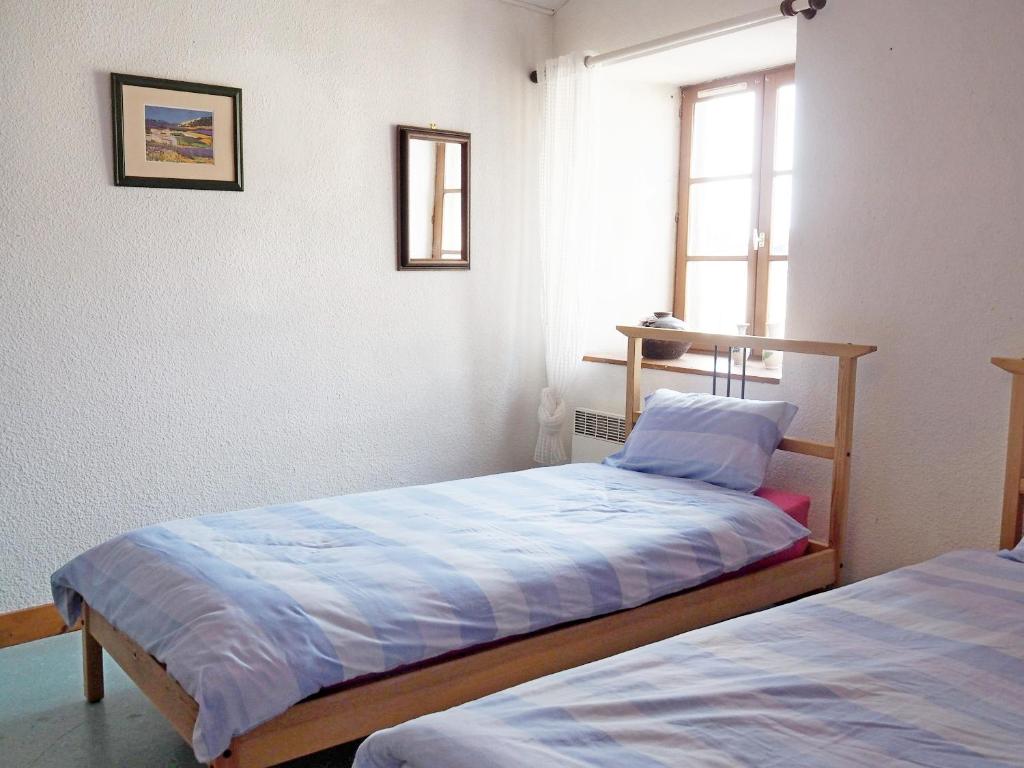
x,y
596,434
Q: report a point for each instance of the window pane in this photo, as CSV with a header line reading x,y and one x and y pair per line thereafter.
x,y
782,207
719,218
778,275
716,295
452,165
451,230
723,136
785,118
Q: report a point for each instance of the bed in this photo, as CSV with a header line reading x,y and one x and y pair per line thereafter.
x,y
273,633
923,666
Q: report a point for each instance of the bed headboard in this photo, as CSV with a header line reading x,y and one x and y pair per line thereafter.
x,y
1013,487
839,452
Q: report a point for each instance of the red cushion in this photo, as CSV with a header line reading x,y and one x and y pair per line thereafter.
x,y
796,506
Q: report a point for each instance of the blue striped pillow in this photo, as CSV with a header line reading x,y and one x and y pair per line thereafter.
x,y
1017,553
720,440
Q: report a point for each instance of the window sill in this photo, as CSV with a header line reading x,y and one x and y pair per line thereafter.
x,y
699,364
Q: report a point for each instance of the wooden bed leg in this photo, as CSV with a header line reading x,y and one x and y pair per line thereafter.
x,y
92,663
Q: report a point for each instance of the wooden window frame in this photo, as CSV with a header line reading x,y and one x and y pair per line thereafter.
x,y
764,85
437,250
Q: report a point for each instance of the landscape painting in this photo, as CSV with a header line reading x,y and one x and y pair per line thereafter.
x,y
176,135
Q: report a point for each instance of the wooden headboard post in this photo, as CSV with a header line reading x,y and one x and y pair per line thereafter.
x,y
846,390
839,453
633,394
1013,487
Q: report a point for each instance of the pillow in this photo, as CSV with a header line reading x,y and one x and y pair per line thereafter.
x,y
721,440
1017,553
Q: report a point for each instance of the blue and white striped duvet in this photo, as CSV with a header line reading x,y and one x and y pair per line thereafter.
x,y
254,611
920,667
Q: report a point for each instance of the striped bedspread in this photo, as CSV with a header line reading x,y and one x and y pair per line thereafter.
x,y
254,611
920,667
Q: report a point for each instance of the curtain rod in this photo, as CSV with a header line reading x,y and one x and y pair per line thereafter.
x,y
707,32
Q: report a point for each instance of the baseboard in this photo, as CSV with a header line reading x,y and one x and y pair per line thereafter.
x,y
30,624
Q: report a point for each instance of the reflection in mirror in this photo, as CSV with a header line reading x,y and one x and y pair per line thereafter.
x,y
433,199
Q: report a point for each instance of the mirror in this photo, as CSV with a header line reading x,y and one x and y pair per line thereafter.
x,y
433,199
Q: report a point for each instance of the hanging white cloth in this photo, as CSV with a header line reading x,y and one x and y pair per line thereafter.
x,y
567,170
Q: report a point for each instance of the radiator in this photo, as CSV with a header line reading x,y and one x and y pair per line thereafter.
x,y
595,434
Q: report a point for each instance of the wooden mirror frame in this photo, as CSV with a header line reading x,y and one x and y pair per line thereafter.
x,y
407,133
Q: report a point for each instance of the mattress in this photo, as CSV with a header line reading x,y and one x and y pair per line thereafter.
x,y
253,611
923,666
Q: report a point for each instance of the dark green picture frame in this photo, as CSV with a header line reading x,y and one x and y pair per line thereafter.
x,y
121,179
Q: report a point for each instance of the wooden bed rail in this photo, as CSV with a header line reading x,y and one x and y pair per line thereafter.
x,y
1013,487
822,348
839,452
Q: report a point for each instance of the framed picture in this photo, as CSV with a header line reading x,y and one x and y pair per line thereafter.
x,y
169,133
433,198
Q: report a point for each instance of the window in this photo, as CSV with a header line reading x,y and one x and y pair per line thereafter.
x,y
447,230
735,185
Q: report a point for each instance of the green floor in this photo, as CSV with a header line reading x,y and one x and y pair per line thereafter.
x,y
45,722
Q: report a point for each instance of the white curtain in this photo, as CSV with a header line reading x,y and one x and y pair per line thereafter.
x,y
567,170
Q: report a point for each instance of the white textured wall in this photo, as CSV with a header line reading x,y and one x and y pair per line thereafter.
x,y
907,234
910,236
166,353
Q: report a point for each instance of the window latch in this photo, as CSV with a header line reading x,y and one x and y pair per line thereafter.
x,y
757,239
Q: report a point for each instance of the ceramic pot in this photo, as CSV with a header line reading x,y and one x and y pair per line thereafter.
x,y
655,349
738,353
772,358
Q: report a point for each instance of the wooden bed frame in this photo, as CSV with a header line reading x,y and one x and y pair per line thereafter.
x,y
354,711
1013,486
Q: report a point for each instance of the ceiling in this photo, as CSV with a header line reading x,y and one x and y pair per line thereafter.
x,y
769,45
543,6
761,47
